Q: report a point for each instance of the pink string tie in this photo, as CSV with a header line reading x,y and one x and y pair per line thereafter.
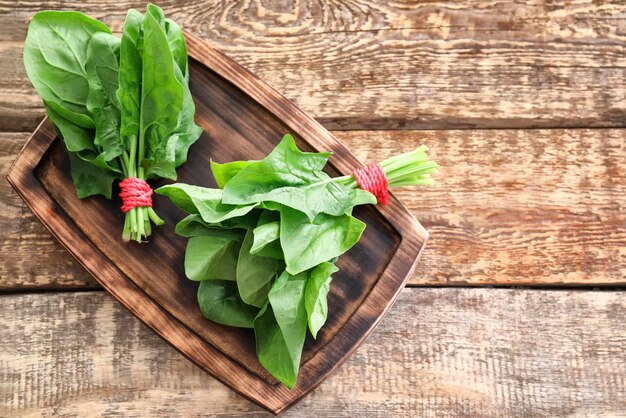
x,y
373,179
135,193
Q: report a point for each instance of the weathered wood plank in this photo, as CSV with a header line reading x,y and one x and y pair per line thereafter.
x,y
512,207
30,258
356,65
439,352
516,206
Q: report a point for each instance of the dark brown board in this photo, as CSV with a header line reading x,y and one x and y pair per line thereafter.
x,y
243,118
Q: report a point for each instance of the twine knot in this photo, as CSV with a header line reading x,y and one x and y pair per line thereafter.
x,y
135,193
373,179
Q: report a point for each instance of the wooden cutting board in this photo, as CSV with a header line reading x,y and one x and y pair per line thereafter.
x,y
243,118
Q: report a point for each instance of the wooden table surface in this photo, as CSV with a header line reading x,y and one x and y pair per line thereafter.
x,y
517,307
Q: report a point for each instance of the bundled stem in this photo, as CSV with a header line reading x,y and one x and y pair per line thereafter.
x,y
409,169
137,226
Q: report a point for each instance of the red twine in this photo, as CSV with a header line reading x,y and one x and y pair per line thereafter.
x,y
373,179
135,193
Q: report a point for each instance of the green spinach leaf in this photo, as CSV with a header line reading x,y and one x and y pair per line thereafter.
x,y
129,77
203,201
186,132
90,180
280,328
194,226
267,230
293,178
161,99
266,241
102,70
75,138
316,296
191,226
211,257
254,274
55,54
226,171
307,244
220,302
176,40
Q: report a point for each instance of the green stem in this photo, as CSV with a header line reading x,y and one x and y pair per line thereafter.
x,y
133,157
125,160
126,235
146,222
141,231
412,170
135,221
154,217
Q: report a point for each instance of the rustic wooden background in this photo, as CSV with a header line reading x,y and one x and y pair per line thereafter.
x,y
517,307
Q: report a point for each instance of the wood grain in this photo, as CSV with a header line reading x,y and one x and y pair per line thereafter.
x,y
30,258
512,207
515,207
363,64
439,352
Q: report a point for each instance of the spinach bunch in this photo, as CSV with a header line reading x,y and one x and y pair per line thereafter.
x,y
263,246
122,106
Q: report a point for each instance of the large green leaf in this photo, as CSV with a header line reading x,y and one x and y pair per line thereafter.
x,y
211,257
316,296
55,54
161,99
203,201
186,132
254,274
191,226
176,40
90,180
307,244
103,66
76,138
293,178
129,79
226,171
280,328
194,226
266,236
102,70
220,302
